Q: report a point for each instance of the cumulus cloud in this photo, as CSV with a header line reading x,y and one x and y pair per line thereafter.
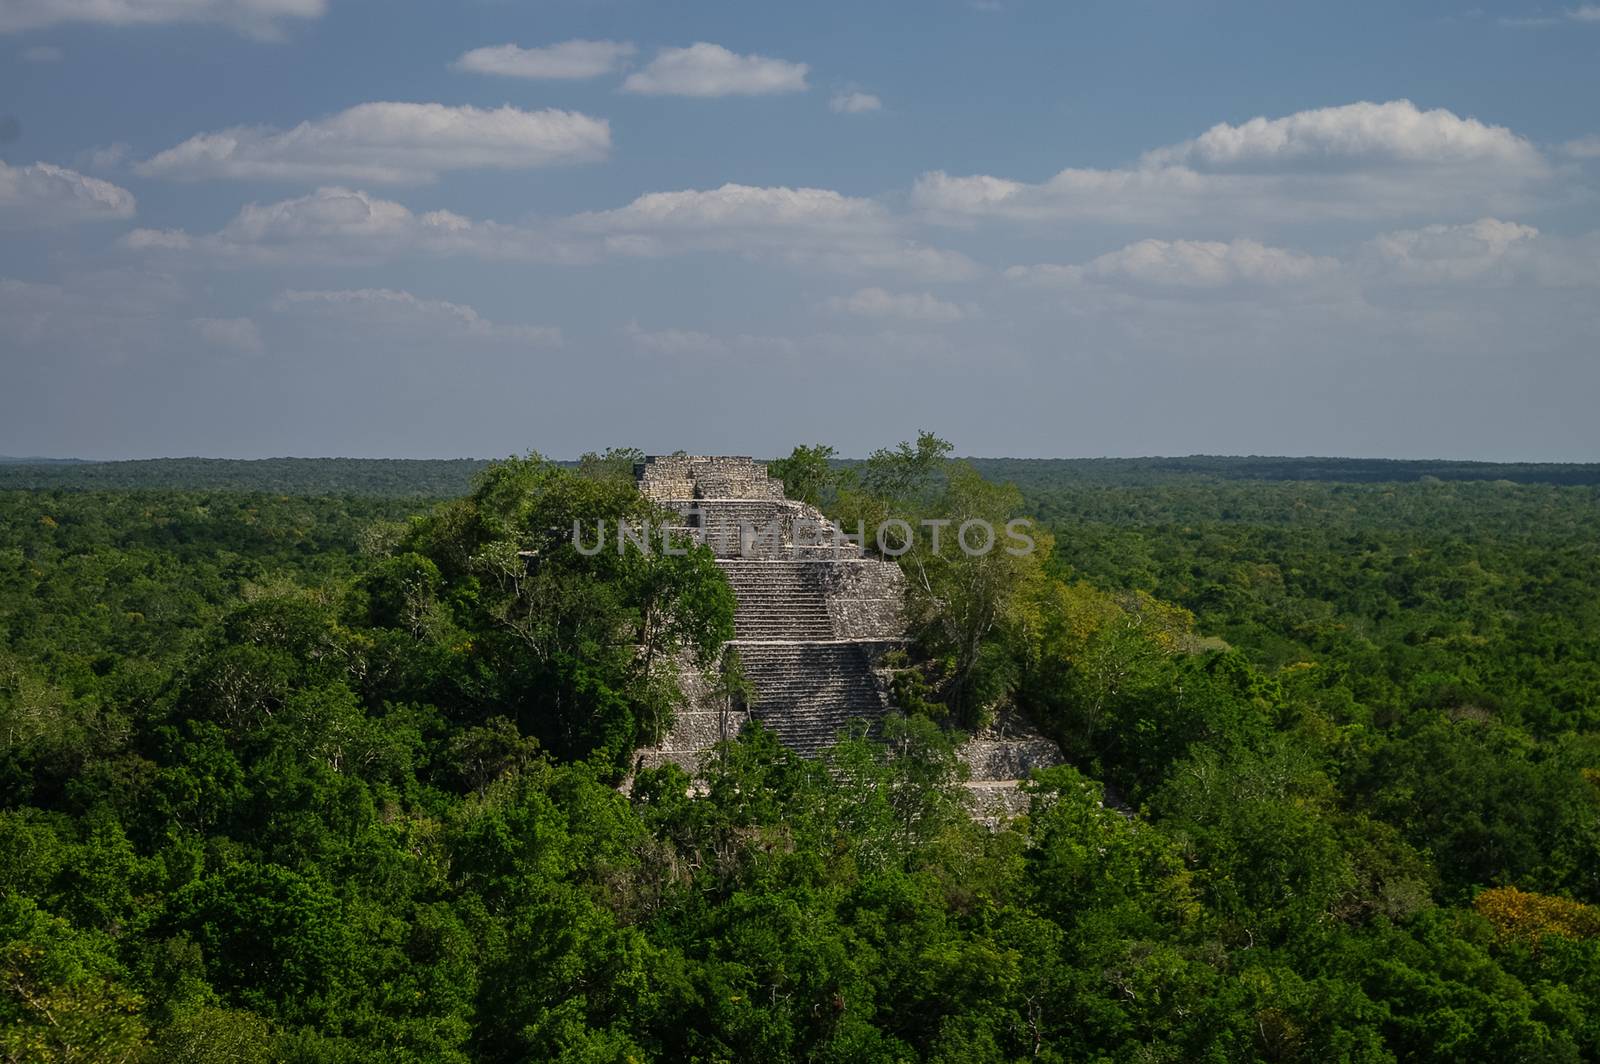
x,y
878,303
334,225
854,103
262,18
1452,252
740,205
403,313
388,143
1362,160
1186,264
567,60
236,335
1486,252
1394,132
704,69
808,227
44,194
1446,288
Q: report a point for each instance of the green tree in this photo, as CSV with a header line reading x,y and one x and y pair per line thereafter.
x,y
808,474
579,645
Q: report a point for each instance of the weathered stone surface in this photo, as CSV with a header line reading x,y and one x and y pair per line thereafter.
x,y
815,615
866,599
676,477
995,801
998,758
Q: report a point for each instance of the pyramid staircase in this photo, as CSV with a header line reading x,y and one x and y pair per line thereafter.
x,y
814,616
813,613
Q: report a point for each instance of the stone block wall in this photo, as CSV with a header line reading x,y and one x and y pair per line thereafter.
x,y
866,599
812,624
676,477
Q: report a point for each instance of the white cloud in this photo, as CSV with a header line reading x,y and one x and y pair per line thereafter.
x,y
346,226
1187,264
806,227
262,18
238,335
404,314
854,103
1583,147
1394,132
1582,13
569,59
877,303
1486,252
388,143
1452,252
711,70
43,53
1359,161
44,194
740,205
1448,289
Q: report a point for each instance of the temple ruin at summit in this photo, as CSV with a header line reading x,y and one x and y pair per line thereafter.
x,y
815,615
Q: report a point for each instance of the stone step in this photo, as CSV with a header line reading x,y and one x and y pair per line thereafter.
x,y
778,601
792,601
782,627
807,693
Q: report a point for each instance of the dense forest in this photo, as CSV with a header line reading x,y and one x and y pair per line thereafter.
x,y
310,762
442,478
435,479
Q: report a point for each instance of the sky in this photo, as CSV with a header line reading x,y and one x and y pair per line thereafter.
x,y
385,228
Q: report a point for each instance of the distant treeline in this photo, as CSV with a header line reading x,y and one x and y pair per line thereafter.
x,y
1055,472
443,478
387,477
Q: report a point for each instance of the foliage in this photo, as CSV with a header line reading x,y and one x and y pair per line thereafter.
x,y
809,474
330,777
1524,914
970,572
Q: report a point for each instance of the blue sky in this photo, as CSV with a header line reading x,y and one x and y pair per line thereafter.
x,y
264,227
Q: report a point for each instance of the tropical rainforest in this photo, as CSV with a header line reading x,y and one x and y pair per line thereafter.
x,y
333,761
